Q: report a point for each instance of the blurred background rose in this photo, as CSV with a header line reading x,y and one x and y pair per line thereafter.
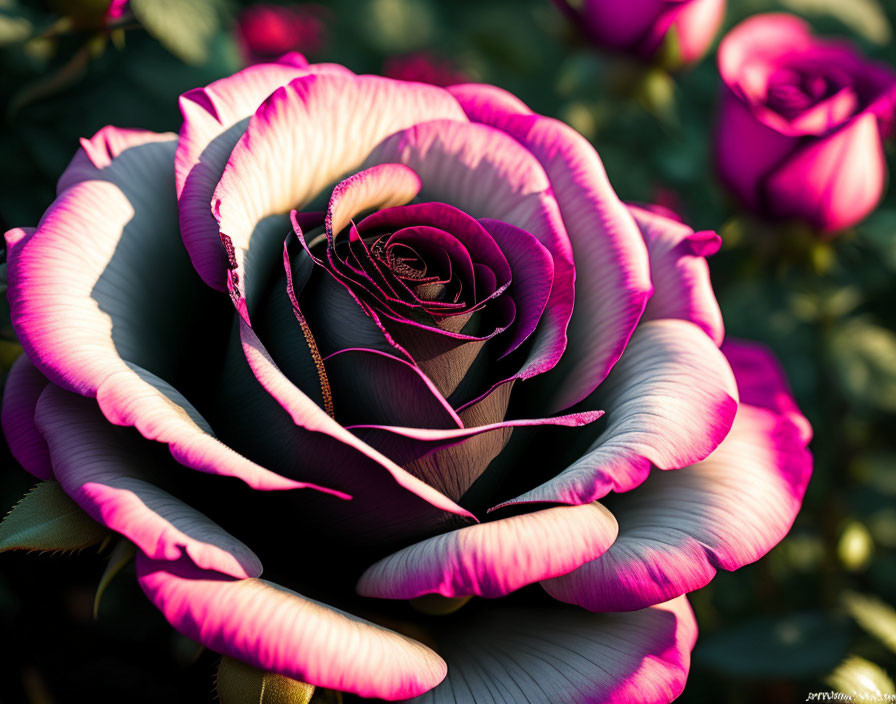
x,y
815,615
266,32
677,32
801,124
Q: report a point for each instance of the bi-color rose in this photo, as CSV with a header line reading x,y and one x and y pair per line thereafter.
x,y
350,308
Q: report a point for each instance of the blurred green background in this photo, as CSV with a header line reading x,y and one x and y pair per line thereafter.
x,y
814,615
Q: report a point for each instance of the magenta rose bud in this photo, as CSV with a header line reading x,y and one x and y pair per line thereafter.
x,y
801,123
292,338
266,32
423,67
641,27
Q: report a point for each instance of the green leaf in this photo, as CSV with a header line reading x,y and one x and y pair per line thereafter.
x,y
865,17
874,616
47,519
865,355
185,27
122,554
239,683
859,677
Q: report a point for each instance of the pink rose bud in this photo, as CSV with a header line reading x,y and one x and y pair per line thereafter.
x,y
423,67
642,27
266,32
801,123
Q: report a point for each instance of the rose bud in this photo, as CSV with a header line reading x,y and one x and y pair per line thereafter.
x,y
679,30
397,344
423,67
801,123
266,32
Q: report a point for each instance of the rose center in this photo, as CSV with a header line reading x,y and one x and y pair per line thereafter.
x,y
793,91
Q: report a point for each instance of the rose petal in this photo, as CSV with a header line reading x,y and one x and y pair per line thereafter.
x,y
373,387
611,265
494,559
533,273
680,275
309,416
103,277
379,187
214,119
832,183
103,470
452,459
487,174
275,629
561,654
762,382
670,401
727,511
23,387
294,146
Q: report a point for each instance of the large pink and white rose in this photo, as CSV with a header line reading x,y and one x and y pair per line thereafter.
x,y
351,309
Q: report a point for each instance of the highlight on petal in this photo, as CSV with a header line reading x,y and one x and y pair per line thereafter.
x,y
103,277
102,297
23,387
294,146
275,629
727,511
103,471
214,119
612,276
494,559
562,654
670,401
679,273
832,183
379,187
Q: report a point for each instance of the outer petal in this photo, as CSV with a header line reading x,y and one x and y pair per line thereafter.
x,y
612,276
303,137
494,559
275,629
746,150
102,296
214,119
670,401
680,275
762,382
101,470
84,289
565,655
24,385
832,182
680,527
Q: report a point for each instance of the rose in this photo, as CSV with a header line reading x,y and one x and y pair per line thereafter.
x,y
801,122
402,262
423,67
685,28
265,32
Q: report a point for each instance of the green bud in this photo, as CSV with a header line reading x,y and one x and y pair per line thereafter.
x,y
239,683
